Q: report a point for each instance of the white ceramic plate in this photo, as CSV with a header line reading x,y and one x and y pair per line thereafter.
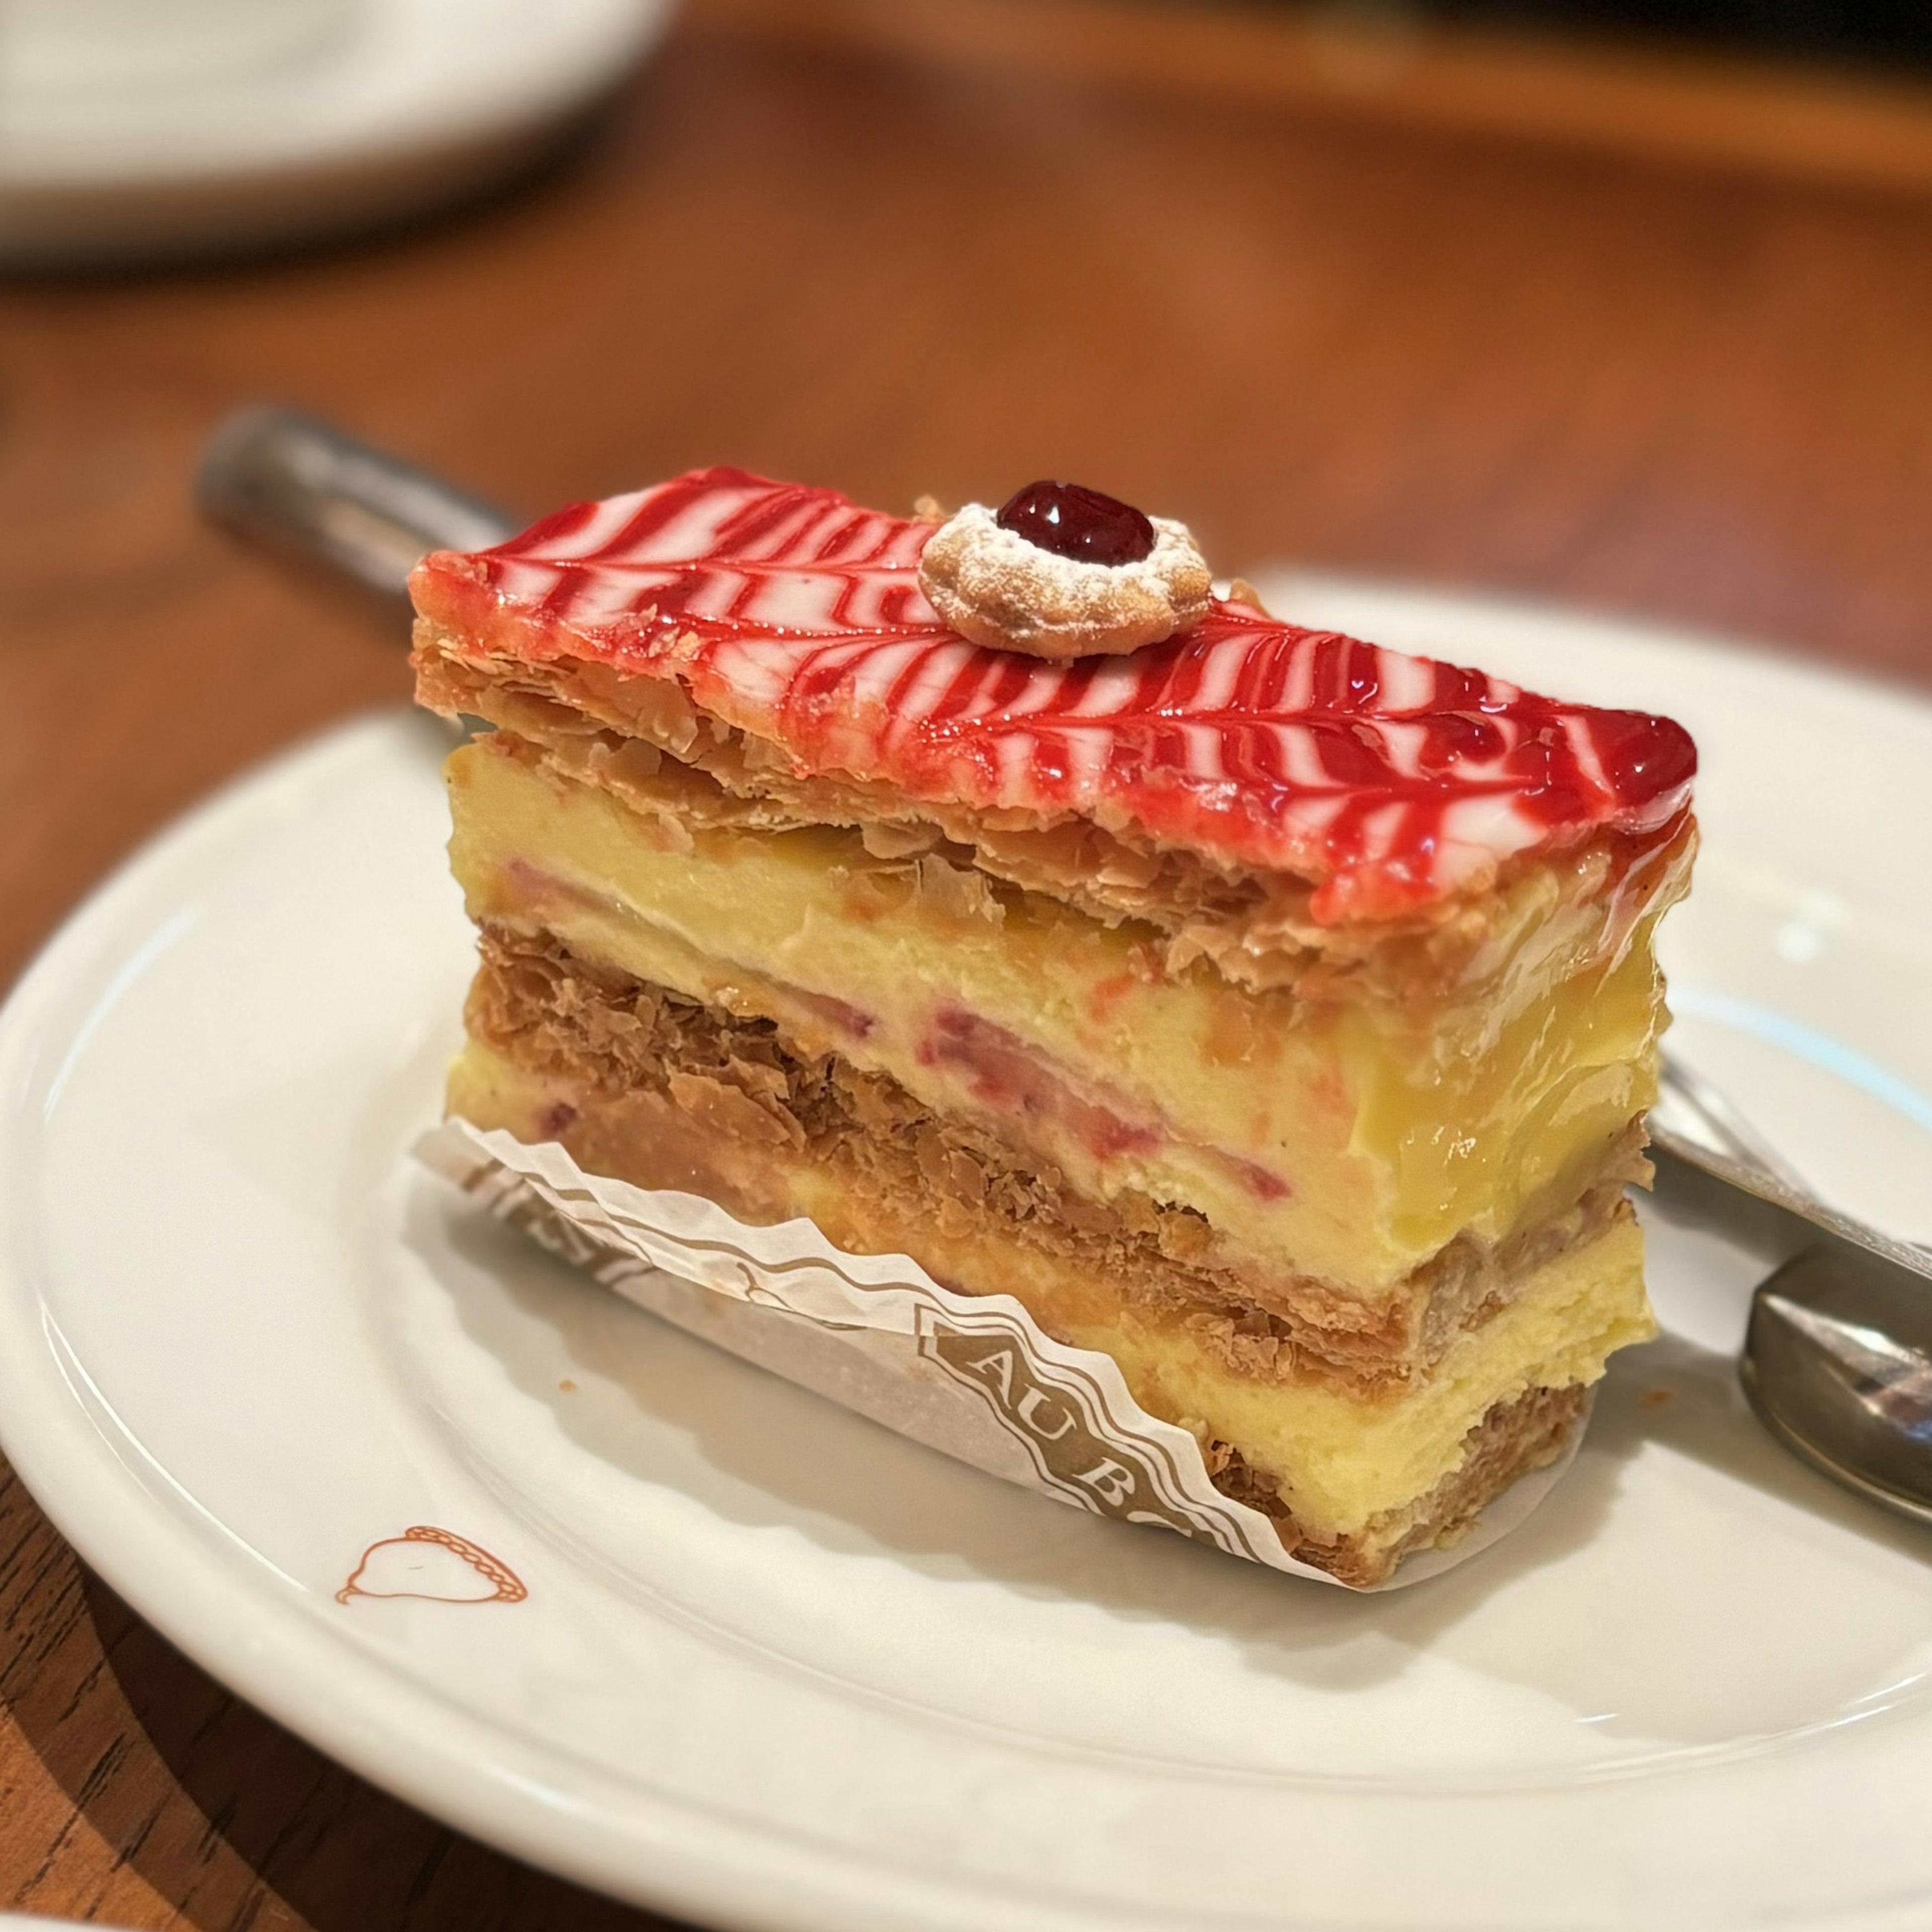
x,y
700,1639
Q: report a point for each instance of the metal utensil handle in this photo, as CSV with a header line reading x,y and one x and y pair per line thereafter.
x,y
1722,1125
279,476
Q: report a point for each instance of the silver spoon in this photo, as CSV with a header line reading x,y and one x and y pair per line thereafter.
x,y
1838,1358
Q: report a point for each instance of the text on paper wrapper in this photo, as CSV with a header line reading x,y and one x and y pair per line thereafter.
x,y
1052,1423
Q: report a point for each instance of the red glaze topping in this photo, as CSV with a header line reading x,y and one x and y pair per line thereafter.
x,y
1071,521
1389,781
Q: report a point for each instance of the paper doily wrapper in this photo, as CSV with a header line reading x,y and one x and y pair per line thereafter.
x,y
973,1376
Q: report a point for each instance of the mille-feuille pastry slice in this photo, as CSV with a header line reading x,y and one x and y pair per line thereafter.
x,y
1273,1012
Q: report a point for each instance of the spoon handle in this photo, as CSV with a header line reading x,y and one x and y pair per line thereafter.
x,y
280,477
1765,1213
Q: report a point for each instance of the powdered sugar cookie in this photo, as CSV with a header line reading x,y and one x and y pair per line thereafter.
x,y
1062,571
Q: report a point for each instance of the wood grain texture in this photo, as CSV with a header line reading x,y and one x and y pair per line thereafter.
x,y
911,249
1671,103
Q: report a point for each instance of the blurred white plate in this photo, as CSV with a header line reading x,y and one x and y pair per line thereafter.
x,y
772,1667
407,105
14,1922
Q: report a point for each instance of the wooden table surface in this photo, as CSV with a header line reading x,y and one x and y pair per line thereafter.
x,y
1322,315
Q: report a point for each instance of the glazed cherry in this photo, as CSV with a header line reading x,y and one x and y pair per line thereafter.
x,y
1077,523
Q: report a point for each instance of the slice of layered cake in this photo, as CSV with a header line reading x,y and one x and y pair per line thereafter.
x,y
1273,1013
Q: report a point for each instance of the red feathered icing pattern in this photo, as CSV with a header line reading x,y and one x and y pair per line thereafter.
x,y
1387,780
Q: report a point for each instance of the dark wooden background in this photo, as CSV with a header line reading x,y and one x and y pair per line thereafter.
x,y
1650,334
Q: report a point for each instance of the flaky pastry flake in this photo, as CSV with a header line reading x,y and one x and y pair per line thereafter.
x,y
997,589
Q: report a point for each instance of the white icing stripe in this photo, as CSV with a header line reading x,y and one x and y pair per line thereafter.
x,y
1298,688
757,673
1110,685
525,583
939,665
1408,684
691,535
606,520
1201,746
869,599
1301,761
604,597
1015,752
796,600
1313,812
792,537
1086,754
986,700
860,538
874,674
1489,822
1583,749
1219,677
904,548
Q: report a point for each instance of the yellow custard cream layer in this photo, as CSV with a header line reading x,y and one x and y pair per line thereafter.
x,y
1344,1459
1348,1142
1341,1457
